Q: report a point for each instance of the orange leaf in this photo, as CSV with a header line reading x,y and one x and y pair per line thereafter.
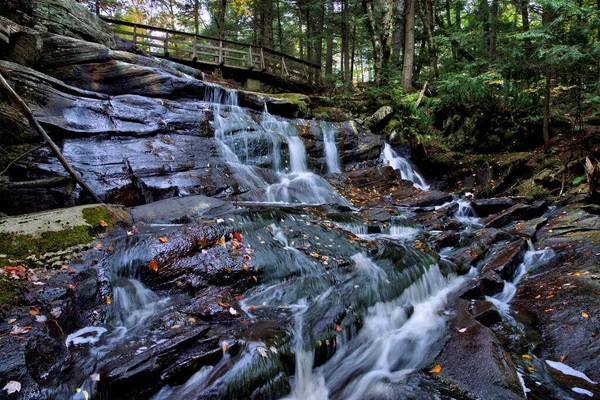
x,y
102,223
153,265
437,369
564,357
163,239
338,328
585,315
108,300
33,310
237,236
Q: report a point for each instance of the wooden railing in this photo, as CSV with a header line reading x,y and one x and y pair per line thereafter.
x,y
189,47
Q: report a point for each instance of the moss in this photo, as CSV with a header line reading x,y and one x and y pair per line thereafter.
x,y
9,153
302,101
530,188
19,247
7,292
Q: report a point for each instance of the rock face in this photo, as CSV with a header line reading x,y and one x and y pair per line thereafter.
x,y
380,118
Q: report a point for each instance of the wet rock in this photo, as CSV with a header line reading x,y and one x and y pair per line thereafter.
x,y
168,210
473,291
426,199
491,284
485,312
377,214
358,144
516,212
528,229
63,17
214,304
505,260
474,359
447,239
485,207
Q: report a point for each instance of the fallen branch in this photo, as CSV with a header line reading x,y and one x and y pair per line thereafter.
x,y
46,182
35,124
421,94
39,146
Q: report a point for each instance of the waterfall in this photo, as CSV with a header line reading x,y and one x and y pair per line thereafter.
x,y
391,158
331,154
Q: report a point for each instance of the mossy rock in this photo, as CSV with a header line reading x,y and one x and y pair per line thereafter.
x,y
8,293
531,188
300,100
52,231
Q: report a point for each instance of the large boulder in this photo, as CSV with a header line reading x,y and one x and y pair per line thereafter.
x,y
379,119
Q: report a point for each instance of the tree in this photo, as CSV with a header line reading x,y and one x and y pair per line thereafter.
x,y
409,46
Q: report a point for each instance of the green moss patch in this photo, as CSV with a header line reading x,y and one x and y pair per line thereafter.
x,y
8,292
302,101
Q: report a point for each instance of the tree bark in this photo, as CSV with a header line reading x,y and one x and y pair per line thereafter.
x,y
398,35
494,30
369,12
409,47
221,18
196,12
427,17
330,33
319,27
346,47
546,20
265,24
387,33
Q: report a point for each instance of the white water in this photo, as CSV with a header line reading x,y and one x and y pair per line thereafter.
x,y
565,369
391,158
331,154
392,343
465,213
531,260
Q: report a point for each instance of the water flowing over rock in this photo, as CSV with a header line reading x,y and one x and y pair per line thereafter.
x,y
267,256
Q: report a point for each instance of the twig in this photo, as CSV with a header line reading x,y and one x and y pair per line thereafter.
x,y
39,146
35,124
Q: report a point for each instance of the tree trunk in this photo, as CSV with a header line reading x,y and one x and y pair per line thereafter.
x,y
301,36
427,17
221,18
484,17
196,12
458,8
409,46
387,33
398,35
547,19
346,47
265,22
319,26
369,12
279,27
449,30
494,30
330,32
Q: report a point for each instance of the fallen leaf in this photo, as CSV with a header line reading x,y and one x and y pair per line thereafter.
x,y
232,311
153,265
585,315
225,347
72,271
239,297
192,320
12,387
136,230
38,283
176,327
262,351
273,350
526,356
95,377
17,330
577,274
11,321
221,242
245,266
163,239
33,310
338,328
108,300
463,330
564,357
102,223
437,369
110,248
222,304
237,236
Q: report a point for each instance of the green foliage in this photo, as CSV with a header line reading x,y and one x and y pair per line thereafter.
x,y
579,179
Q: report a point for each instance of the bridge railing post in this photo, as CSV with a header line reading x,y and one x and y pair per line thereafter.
x,y
135,35
221,58
251,57
194,46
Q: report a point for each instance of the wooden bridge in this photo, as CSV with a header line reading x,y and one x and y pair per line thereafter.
x,y
238,60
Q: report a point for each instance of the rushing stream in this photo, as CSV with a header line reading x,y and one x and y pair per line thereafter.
x,y
372,304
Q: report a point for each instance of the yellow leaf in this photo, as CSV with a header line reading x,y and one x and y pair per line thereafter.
x,y
221,242
33,310
163,239
108,300
526,356
437,369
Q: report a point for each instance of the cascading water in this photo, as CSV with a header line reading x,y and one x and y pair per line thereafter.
x,y
331,155
391,158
